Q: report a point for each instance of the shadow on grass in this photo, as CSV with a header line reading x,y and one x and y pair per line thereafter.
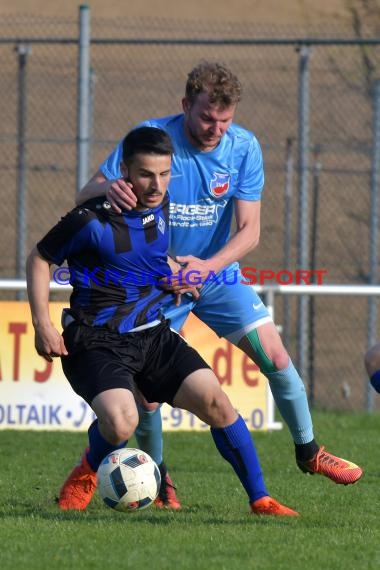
x,y
201,513
198,515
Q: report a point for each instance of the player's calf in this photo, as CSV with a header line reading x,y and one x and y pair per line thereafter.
x,y
200,393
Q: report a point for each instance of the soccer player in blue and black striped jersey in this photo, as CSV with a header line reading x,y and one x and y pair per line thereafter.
x,y
116,345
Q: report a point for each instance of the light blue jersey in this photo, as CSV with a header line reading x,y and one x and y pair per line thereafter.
x,y
203,185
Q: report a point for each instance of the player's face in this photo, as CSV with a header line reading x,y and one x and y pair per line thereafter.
x,y
149,175
206,123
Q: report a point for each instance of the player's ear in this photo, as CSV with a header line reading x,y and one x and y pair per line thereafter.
x,y
124,170
185,104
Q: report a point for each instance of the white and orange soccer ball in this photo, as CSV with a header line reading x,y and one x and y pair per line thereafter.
x,y
128,480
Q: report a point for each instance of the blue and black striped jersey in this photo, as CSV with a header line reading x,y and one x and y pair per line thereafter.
x,y
115,261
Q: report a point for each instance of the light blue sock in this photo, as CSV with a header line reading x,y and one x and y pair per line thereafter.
x,y
290,396
149,433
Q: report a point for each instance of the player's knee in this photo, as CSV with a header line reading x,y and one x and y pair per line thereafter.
x,y
120,427
265,348
143,403
150,406
280,358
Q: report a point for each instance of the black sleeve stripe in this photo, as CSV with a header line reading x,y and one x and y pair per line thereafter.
x,y
53,242
150,232
44,253
121,236
165,210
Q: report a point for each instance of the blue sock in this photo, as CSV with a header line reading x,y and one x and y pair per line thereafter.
x,y
99,447
375,380
290,396
235,445
149,433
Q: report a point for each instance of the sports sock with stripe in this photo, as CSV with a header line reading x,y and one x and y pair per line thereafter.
x,y
99,447
234,443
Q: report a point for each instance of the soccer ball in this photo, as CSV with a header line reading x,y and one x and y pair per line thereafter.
x,y
128,480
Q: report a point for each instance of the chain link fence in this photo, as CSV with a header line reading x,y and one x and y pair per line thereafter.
x,y
309,101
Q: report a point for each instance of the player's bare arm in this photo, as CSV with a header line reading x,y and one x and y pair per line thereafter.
x,y
245,239
48,341
119,192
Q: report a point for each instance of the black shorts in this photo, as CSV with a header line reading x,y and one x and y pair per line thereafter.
x,y
155,360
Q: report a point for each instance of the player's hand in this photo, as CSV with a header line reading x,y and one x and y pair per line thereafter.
x,y
121,196
49,343
196,268
175,283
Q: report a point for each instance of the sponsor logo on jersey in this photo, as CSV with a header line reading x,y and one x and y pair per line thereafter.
x,y
192,209
219,184
196,215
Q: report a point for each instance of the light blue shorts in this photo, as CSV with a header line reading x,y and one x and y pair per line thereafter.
x,y
229,307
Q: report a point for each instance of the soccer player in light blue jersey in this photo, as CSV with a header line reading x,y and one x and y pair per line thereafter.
x,y
116,342
217,173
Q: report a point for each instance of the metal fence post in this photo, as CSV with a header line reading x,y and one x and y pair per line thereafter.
x,y
83,98
93,80
317,166
373,232
23,51
303,205
289,169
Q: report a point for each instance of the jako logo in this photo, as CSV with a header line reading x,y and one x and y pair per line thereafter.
x,y
148,219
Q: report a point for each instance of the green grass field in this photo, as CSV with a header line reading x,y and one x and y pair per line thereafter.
x,y
339,526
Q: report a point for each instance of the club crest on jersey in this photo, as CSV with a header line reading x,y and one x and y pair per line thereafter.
x,y
161,225
219,184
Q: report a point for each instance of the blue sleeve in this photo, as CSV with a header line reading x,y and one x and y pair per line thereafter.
x,y
251,174
111,166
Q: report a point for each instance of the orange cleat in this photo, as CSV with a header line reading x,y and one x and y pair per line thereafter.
x,y
167,498
271,507
338,470
79,487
